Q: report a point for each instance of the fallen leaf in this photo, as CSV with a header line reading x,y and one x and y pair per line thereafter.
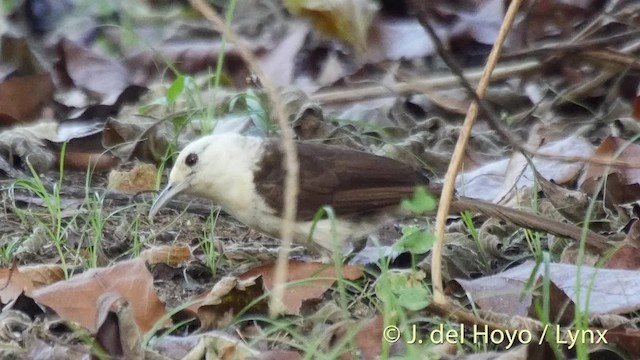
x,y
228,297
609,291
189,57
561,309
117,331
369,338
305,275
173,255
485,182
13,283
43,274
23,98
279,63
383,41
91,71
347,20
130,279
175,347
141,178
626,338
219,345
627,255
623,183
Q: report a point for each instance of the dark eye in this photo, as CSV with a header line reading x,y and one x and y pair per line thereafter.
x,y
191,159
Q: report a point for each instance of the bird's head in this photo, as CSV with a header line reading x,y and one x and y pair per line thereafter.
x,y
216,167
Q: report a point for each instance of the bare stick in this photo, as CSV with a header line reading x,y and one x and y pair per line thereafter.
x,y
458,154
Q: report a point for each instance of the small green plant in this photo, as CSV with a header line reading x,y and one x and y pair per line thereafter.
x,y
8,249
401,291
136,247
96,222
207,243
257,108
54,228
467,219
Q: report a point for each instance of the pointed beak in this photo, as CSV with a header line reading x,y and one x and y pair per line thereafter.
x,y
165,196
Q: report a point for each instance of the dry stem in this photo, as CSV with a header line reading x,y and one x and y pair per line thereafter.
x,y
288,147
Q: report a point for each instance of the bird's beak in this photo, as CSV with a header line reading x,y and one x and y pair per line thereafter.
x,y
167,194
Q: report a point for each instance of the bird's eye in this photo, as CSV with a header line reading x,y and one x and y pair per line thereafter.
x,y
191,159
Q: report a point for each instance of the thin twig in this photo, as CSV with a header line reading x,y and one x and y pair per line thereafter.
x,y
458,154
350,94
291,164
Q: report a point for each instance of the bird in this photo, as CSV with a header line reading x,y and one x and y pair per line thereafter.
x,y
245,175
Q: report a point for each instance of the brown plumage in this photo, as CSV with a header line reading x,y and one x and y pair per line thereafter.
x,y
338,177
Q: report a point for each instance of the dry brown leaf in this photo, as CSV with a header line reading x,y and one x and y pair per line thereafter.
x,y
189,57
561,308
131,279
172,255
23,98
43,274
369,338
117,331
305,275
229,296
627,255
623,183
347,20
13,283
76,160
626,338
141,178
636,108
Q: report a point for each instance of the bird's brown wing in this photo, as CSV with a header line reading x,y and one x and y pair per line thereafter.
x,y
351,182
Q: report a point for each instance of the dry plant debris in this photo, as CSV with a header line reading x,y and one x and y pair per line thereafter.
x,y
96,101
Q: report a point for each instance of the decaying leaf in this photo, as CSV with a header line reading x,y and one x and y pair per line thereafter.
x,y
23,98
130,279
228,297
622,183
142,177
627,255
301,276
347,20
485,182
90,71
43,274
13,283
173,255
217,345
609,291
117,331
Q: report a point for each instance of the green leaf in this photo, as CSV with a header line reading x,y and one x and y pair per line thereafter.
x,y
176,88
414,240
420,203
414,298
390,284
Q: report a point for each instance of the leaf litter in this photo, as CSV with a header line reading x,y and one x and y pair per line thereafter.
x,y
125,91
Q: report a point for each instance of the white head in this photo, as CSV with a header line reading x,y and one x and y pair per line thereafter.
x,y
216,167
